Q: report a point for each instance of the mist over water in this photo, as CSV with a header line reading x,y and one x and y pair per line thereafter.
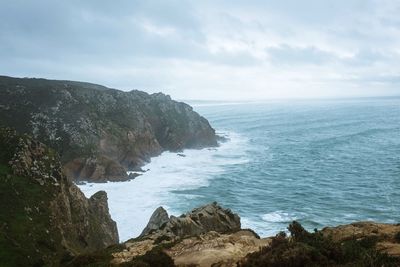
x,y
325,162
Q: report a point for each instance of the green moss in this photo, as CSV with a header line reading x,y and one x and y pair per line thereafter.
x,y
26,236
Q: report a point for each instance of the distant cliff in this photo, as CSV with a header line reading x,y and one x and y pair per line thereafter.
x,y
44,218
99,132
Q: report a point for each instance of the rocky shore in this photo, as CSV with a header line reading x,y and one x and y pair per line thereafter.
x,y
99,132
45,220
212,236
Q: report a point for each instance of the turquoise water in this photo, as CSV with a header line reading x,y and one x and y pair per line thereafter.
x,y
324,162
319,162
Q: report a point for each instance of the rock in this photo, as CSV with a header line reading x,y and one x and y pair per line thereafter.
x,y
98,204
206,236
157,220
215,249
51,219
133,175
211,217
95,169
99,132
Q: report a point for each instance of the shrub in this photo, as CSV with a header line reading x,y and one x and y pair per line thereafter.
x,y
313,249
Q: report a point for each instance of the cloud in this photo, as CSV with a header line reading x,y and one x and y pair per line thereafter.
x,y
286,54
208,49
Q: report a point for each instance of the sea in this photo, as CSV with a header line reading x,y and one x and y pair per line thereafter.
x,y
319,162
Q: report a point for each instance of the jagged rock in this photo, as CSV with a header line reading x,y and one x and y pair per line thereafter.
x,y
206,236
210,217
44,217
157,219
100,133
98,204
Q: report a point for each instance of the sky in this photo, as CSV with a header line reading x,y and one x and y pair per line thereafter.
x,y
208,50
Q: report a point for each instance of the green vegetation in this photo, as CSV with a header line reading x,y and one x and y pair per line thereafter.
x,y
100,258
44,219
26,235
314,249
86,121
397,237
153,258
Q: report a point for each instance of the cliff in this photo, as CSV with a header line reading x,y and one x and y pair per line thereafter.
x,y
212,236
44,218
99,132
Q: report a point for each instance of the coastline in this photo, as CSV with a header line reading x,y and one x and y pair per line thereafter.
x,y
164,182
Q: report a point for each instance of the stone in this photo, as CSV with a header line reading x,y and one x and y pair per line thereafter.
x,y
157,220
210,217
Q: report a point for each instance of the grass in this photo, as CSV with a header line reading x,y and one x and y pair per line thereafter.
x,y
25,222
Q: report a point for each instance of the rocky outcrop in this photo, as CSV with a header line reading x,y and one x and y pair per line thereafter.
x,y
217,240
44,218
99,132
204,236
157,220
215,249
211,217
208,249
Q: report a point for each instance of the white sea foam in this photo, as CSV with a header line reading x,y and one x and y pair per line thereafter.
x,y
278,217
132,203
270,223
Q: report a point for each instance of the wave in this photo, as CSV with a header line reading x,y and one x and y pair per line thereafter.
x,y
164,183
278,217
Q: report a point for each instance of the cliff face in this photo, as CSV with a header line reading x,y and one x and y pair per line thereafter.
x,y
44,218
100,133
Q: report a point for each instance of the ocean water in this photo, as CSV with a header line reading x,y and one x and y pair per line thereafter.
x,y
321,162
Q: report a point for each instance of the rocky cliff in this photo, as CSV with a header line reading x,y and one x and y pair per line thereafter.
x,y
99,132
44,218
211,236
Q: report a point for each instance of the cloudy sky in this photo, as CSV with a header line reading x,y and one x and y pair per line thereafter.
x,y
227,49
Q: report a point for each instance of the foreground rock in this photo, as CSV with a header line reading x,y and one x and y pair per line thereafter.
x,y
205,236
215,239
44,218
215,249
100,133
211,217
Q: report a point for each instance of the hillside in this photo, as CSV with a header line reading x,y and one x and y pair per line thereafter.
x,y
99,132
44,218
